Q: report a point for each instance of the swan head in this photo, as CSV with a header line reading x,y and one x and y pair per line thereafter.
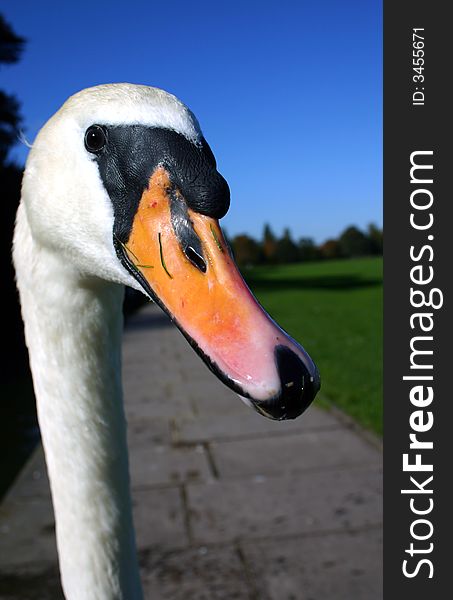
x,y
121,184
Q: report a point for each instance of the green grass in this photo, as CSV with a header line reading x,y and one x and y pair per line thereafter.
x,y
334,308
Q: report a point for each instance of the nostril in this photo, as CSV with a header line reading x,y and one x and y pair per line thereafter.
x,y
189,242
195,258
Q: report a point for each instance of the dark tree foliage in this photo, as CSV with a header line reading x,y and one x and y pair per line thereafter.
x,y
376,238
9,124
269,244
11,45
354,242
308,250
247,251
287,251
17,411
330,249
273,250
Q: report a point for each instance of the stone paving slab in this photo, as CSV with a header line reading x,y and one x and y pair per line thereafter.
x,y
162,465
32,480
217,400
322,501
214,403
344,566
159,519
148,431
197,574
27,526
27,532
292,453
190,430
37,582
153,396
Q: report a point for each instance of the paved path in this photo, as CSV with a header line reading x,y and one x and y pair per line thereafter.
x,y
227,504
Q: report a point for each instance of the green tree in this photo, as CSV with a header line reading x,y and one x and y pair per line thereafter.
x,y
11,46
376,239
287,251
308,250
17,402
10,120
246,250
354,242
330,249
269,244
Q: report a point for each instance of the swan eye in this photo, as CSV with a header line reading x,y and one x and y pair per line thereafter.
x,y
95,138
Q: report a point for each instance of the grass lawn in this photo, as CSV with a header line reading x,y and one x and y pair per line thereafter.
x,y
334,308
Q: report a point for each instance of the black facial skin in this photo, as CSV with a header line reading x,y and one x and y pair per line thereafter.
x,y
127,156
131,154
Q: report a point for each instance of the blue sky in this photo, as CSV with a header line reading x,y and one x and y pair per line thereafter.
x,y
288,93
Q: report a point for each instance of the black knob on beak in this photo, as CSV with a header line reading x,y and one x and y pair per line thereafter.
x,y
299,385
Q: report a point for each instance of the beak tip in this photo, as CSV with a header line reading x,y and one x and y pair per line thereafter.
x,y
299,385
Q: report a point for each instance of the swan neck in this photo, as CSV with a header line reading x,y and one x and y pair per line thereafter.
x,y
73,328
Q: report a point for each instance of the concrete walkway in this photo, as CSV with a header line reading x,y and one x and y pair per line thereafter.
x,y
228,504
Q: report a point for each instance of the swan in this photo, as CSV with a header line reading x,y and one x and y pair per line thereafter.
x,y
121,188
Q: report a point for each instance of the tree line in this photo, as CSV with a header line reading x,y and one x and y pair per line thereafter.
x,y
270,249
15,361
17,407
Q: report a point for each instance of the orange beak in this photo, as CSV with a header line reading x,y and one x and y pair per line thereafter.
x,y
201,289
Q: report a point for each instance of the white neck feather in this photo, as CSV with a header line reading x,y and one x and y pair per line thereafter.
x,y
73,328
